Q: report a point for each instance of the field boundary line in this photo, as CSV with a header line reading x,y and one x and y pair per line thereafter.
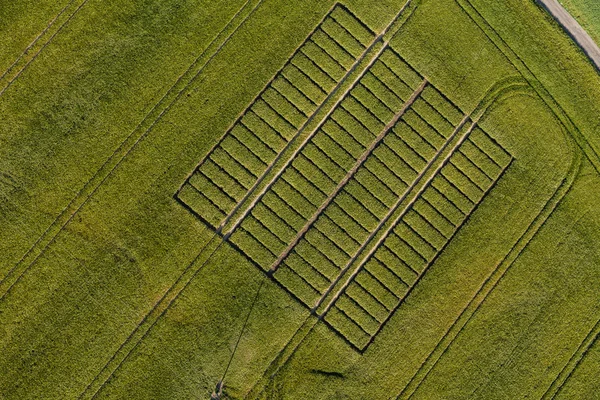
x,y
282,358
120,153
43,46
425,186
574,362
488,286
566,186
298,150
158,310
456,230
588,150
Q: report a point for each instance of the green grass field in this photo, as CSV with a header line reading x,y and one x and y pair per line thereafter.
x,y
587,13
309,200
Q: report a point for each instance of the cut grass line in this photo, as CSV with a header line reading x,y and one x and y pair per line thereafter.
x,y
571,366
125,148
144,327
23,57
348,176
490,283
245,324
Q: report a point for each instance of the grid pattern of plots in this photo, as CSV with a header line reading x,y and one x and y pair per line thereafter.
x,y
338,234
275,116
350,222
312,179
417,238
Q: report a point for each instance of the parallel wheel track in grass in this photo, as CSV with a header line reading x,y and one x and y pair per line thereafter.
x,y
590,154
142,329
574,362
126,147
41,41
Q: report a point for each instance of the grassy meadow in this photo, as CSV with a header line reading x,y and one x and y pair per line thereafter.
x,y
478,122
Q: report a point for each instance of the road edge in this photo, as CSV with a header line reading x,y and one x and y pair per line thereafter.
x,y
573,29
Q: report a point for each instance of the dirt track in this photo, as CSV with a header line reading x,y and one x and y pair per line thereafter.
x,y
569,24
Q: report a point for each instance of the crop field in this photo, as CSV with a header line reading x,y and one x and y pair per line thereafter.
x,y
265,199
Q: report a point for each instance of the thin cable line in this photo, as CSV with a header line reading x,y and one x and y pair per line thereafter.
x,y
220,384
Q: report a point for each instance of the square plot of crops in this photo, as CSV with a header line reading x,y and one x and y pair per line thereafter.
x,y
351,220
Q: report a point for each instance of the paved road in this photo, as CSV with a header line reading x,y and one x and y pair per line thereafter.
x,y
579,35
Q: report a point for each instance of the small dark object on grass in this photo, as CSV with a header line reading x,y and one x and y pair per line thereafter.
x,y
216,395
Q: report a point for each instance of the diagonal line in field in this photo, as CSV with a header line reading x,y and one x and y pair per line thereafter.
x,y
35,40
250,108
302,332
124,149
571,366
43,46
150,319
348,176
393,210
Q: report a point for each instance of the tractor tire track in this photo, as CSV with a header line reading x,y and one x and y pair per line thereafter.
x,y
124,149
7,79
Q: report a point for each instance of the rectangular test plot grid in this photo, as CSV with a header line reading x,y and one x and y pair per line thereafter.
x,y
418,238
261,133
317,230
311,180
